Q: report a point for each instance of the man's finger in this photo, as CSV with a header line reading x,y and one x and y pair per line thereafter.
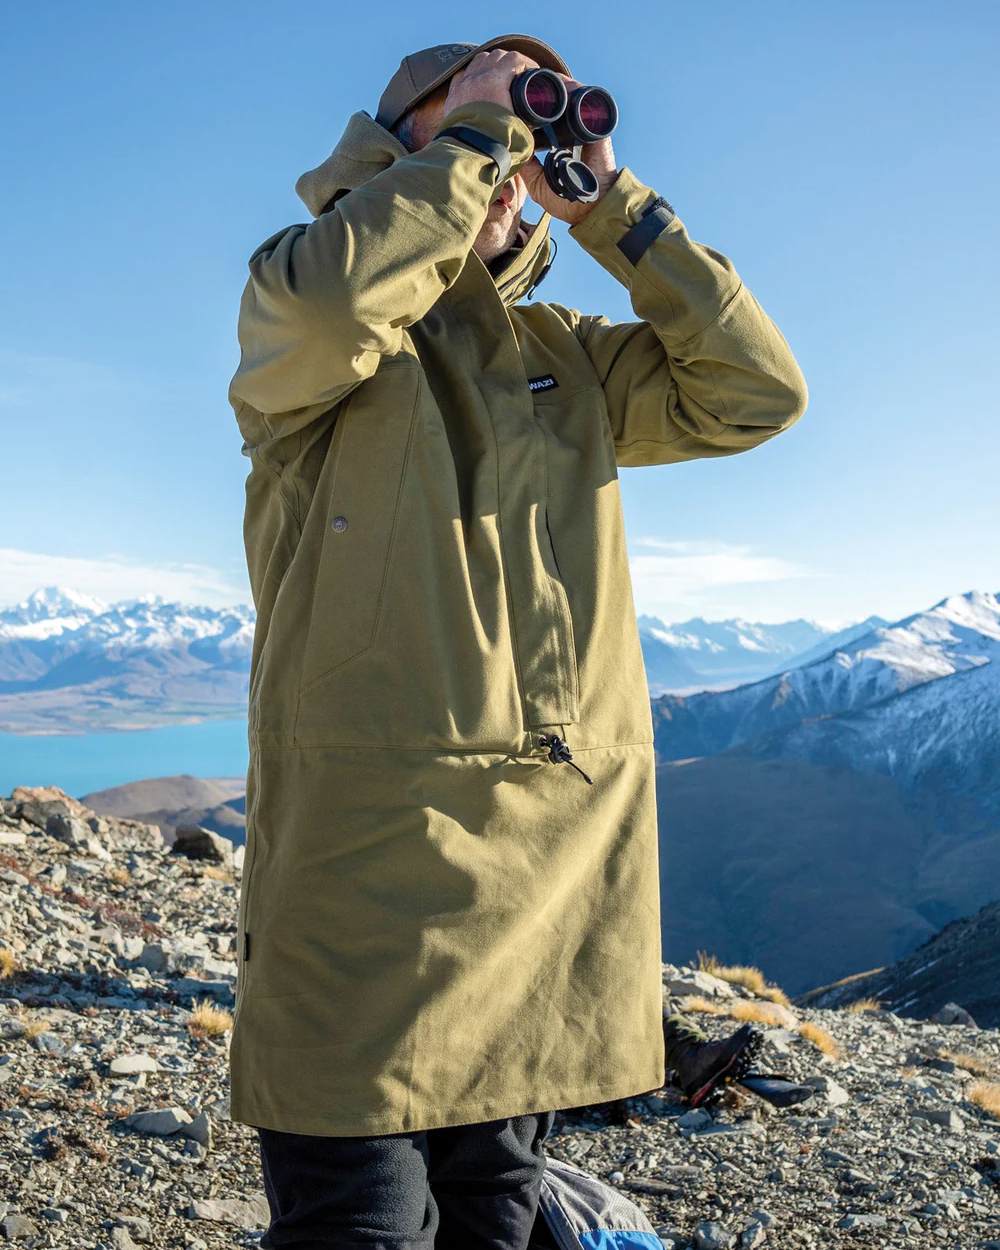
x,y
531,171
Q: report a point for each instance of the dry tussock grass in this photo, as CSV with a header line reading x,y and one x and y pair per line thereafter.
x,y
761,1013
750,978
775,994
747,976
119,874
695,1003
8,962
35,1027
821,1039
985,1094
217,872
979,1065
209,1020
862,1005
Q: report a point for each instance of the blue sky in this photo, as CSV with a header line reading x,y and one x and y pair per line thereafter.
x,y
843,156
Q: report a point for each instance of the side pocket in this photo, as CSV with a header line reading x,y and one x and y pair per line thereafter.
x,y
244,919
555,558
360,513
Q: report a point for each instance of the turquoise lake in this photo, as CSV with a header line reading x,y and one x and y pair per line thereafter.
x,y
80,763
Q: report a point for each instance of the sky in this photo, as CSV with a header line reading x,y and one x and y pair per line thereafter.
x,y
844,157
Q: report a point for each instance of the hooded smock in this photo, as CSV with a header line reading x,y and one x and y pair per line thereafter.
x,y
450,902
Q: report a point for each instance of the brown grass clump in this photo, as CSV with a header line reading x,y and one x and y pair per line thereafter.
x,y
862,1005
748,977
119,874
979,1065
694,1002
8,962
218,872
985,1094
208,1020
34,1028
761,1013
751,979
821,1039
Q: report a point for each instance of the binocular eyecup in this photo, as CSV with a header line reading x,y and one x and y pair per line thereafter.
x,y
564,120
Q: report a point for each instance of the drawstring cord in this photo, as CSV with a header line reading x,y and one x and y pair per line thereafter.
x,y
559,753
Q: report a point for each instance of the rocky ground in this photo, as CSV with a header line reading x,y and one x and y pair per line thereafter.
x,y
114,1129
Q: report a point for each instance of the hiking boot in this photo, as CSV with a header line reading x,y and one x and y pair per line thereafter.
x,y
700,1066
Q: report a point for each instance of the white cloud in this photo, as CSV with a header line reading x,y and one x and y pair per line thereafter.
x,y
114,577
677,579
671,580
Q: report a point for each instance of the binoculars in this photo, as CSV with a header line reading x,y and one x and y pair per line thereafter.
x,y
563,121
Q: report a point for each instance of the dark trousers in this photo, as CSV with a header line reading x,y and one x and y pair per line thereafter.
x,y
468,1187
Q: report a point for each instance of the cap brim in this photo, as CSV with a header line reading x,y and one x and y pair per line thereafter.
x,y
546,57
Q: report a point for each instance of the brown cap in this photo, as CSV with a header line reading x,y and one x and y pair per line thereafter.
x,y
420,72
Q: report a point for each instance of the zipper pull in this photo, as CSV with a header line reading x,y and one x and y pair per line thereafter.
x,y
559,753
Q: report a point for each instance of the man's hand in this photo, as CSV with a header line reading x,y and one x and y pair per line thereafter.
x,y
599,157
488,77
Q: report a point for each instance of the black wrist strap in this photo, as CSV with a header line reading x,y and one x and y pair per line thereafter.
x,y
499,155
655,217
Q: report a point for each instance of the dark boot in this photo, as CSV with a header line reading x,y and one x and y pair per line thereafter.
x,y
701,1065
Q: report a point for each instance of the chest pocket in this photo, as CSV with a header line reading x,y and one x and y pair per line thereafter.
x,y
574,417
369,450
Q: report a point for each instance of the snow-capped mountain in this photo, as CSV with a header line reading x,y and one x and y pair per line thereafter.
x,y
701,655
836,814
147,621
918,700
69,660
48,611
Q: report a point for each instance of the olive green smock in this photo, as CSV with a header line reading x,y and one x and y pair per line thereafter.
x,y
439,923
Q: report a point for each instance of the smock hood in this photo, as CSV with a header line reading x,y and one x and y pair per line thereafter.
x,y
365,149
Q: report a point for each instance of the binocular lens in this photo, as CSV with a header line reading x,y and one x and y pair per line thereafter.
x,y
597,112
561,121
544,96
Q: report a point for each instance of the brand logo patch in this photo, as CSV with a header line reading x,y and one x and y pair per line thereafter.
x,y
544,383
454,52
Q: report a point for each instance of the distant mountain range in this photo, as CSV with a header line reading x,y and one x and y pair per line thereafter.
x,y
70,663
700,655
918,701
832,817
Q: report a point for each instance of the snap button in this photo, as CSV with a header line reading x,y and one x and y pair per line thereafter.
x,y
339,523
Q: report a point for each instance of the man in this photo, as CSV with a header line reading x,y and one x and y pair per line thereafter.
x,y
442,937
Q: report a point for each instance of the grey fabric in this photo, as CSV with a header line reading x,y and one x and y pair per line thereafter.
x,y
574,1203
